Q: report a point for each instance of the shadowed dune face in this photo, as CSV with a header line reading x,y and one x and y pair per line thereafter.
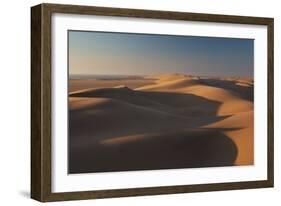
x,y
141,112
242,88
178,150
173,122
161,101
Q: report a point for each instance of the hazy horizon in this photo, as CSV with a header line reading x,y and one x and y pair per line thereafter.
x,y
107,53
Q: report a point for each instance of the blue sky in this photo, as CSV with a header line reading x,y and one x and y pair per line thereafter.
x,y
143,54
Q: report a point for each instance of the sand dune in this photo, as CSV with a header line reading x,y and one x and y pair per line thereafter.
x,y
170,85
242,137
166,121
79,84
231,101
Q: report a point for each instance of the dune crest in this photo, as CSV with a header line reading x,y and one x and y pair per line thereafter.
x,y
231,101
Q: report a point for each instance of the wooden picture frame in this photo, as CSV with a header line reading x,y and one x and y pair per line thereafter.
x,y
41,116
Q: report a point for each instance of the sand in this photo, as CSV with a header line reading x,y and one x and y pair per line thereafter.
x,y
80,84
160,122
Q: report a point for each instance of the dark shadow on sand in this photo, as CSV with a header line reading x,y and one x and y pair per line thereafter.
x,y
246,93
191,150
186,147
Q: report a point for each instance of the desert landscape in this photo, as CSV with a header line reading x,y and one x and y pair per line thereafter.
x,y
140,101
162,121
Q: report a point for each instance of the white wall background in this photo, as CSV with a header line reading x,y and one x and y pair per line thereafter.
x,y
15,102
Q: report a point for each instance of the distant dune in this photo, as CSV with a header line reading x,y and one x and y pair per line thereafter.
x,y
160,122
78,84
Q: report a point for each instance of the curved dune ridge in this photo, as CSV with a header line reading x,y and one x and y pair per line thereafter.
x,y
174,121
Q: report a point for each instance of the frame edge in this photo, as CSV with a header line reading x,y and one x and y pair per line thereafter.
x,y
36,138
40,103
270,73
157,14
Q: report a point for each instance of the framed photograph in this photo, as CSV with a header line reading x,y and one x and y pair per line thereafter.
x,y
132,102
